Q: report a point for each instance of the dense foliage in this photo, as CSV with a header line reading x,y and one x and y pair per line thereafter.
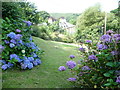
x,y
18,48
91,23
99,67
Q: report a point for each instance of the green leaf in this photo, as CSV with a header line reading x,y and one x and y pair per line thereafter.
x,y
110,80
106,74
111,64
107,84
111,71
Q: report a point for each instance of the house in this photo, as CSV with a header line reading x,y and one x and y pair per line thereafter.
x,y
51,20
70,28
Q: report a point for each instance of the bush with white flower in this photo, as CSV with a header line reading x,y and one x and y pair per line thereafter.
x,y
100,66
18,48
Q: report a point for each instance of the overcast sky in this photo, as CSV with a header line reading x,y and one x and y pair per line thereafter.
x,y
73,6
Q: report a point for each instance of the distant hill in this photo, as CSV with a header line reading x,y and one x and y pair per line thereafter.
x,y
68,16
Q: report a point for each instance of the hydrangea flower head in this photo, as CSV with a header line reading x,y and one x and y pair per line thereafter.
x,y
31,59
109,32
35,63
88,41
102,47
106,38
13,41
62,68
85,68
20,41
30,65
71,64
38,61
18,30
30,38
28,23
12,45
72,56
11,35
118,79
72,79
6,41
92,57
34,54
10,65
15,57
4,67
114,52
18,36
82,49
23,66
1,48
116,37
3,61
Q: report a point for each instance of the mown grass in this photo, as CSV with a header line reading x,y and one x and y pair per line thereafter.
x,y
45,75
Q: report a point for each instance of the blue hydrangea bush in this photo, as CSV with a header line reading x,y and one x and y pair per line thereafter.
x,y
18,48
99,66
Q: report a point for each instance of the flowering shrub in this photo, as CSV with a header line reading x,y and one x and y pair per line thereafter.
x,y
18,48
100,66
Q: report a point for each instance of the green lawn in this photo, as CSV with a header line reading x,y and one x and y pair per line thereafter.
x,y
45,75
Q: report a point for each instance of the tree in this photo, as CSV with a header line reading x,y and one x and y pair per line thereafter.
x,y
90,24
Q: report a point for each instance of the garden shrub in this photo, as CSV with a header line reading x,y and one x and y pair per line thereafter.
x,y
41,32
18,48
100,66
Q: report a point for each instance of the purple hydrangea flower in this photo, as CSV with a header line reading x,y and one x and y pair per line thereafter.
x,y
23,66
28,23
30,65
92,57
30,38
35,63
3,61
106,38
102,47
109,32
10,65
4,67
118,80
82,49
72,56
20,41
15,57
88,41
18,36
114,52
12,45
1,48
62,68
85,68
11,35
71,64
34,55
116,37
13,41
17,30
6,41
31,59
72,79
38,61
117,72
26,61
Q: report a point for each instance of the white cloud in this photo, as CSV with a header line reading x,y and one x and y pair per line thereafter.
x,y
73,6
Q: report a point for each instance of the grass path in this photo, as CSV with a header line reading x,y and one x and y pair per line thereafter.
x,y
45,75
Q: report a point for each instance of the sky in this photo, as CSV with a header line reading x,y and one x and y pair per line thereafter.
x,y
73,6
